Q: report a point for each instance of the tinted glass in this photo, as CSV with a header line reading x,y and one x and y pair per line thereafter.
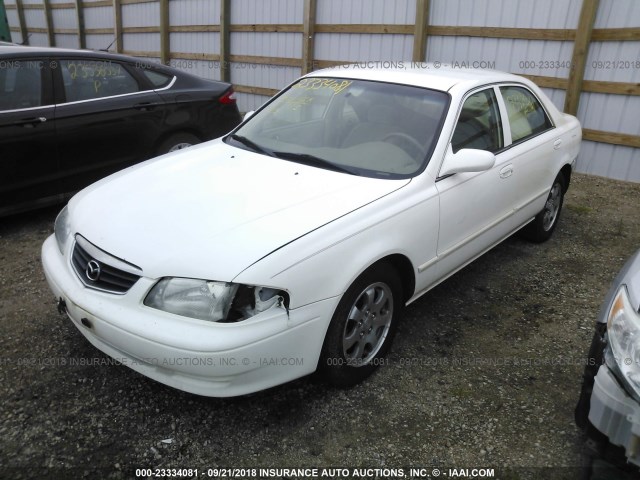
x,y
479,124
157,79
369,128
90,79
20,85
526,115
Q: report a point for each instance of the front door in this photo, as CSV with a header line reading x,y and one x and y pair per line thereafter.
x,y
475,207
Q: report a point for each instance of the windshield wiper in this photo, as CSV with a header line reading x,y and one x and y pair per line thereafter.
x,y
313,161
253,146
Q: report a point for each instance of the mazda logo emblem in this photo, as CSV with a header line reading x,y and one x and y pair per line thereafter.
x,y
93,270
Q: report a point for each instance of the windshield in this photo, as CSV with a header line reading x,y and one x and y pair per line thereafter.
x,y
366,128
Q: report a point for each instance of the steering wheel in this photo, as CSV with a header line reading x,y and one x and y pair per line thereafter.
x,y
415,150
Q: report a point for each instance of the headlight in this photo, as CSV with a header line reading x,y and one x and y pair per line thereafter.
x,y
623,329
211,301
62,229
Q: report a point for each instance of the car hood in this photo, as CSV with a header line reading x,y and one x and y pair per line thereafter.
x,y
213,210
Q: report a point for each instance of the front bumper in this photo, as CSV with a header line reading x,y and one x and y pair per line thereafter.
x,y
614,413
205,358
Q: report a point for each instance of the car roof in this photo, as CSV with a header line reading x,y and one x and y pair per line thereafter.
x,y
146,63
25,51
442,78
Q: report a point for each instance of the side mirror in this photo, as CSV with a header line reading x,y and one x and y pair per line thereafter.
x,y
467,160
248,115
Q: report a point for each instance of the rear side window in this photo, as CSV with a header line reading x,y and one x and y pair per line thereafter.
x,y
20,84
479,124
92,79
526,116
158,79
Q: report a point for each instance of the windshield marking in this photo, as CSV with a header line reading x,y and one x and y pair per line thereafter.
x,y
318,83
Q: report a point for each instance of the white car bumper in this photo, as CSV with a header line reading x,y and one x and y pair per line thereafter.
x,y
205,358
614,413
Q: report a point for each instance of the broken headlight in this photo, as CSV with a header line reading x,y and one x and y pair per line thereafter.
x,y
623,330
212,301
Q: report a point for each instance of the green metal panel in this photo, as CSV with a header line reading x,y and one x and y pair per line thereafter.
x,y
5,33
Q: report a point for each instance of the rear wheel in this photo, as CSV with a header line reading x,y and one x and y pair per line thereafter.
x,y
177,142
542,226
362,327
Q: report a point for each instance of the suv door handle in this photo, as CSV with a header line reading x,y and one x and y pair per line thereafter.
x,y
557,143
31,122
506,171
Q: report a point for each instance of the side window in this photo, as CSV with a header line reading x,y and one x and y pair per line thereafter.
x,y
479,123
158,79
526,115
20,85
91,79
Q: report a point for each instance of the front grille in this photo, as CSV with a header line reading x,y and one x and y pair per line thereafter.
x,y
100,270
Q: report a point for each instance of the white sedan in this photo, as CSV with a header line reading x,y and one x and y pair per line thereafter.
x,y
292,244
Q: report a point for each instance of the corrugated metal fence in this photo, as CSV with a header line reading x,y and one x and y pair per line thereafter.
x,y
584,53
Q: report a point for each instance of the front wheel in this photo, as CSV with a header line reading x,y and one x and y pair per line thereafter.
x,y
542,226
362,327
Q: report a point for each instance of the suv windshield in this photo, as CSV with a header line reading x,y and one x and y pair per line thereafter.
x,y
361,127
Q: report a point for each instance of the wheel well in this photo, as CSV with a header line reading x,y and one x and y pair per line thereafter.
x,y
566,172
405,270
168,135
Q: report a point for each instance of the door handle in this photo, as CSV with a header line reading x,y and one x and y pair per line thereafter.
x,y
146,106
557,144
31,122
507,171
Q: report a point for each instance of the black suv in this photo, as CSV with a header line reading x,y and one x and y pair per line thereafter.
x,y
71,117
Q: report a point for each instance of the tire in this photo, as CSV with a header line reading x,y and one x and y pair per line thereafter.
x,y
362,327
176,142
542,226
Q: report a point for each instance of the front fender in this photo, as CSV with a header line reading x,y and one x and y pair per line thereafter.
x,y
325,262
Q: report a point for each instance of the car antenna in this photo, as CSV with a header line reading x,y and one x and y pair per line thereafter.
x,y
24,41
110,45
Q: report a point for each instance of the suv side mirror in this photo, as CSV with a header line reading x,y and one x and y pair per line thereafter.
x,y
467,160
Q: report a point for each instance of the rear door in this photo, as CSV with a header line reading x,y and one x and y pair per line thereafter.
x,y
106,117
533,144
28,159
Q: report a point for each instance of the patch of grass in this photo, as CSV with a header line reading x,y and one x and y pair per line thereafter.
x,y
581,209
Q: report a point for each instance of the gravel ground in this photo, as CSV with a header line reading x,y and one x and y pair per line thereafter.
x,y
485,372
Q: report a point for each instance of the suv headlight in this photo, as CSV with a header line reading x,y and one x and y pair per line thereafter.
x,y
212,301
62,229
623,330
